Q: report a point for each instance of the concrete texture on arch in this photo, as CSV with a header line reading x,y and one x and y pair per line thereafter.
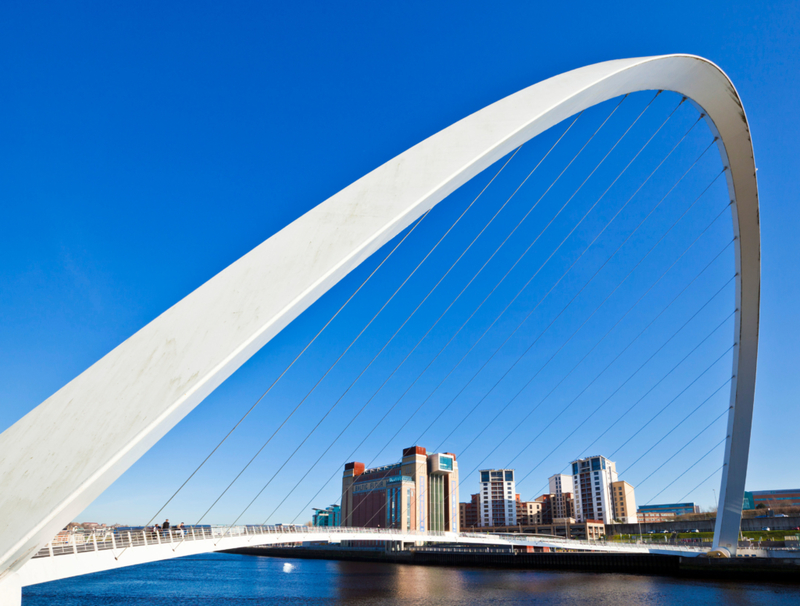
x,y
140,390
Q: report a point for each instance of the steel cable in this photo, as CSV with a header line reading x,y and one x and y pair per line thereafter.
x,y
568,235
535,274
590,384
682,421
631,376
521,256
657,469
367,326
585,321
419,342
486,298
469,246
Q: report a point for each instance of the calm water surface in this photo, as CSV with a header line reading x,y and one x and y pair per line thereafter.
x,y
217,579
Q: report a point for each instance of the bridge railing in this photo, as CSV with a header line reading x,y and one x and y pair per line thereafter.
x,y
80,540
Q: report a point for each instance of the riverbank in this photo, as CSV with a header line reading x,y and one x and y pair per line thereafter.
x,y
739,569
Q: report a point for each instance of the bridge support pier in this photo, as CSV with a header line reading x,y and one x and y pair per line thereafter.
x,y
11,590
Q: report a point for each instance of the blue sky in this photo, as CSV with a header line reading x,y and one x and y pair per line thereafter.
x,y
147,147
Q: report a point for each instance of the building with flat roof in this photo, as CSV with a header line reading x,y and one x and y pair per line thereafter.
x,y
419,493
654,517
529,513
330,516
562,490
595,498
469,512
776,498
497,498
623,499
646,512
567,528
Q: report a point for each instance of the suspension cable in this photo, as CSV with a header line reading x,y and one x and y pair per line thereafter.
x,y
630,309
616,107
689,469
552,184
704,481
568,235
486,298
630,377
636,338
685,251
511,157
564,344
649,391
469,246
419,342
722,414
581,326
535,274
681,422
668,404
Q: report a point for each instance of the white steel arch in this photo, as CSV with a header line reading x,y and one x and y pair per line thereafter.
x,y
140,390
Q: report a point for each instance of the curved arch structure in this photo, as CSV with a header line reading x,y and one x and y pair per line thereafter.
x,y
141,389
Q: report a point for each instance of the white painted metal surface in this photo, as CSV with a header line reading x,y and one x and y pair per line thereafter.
x,y
141,389
105,551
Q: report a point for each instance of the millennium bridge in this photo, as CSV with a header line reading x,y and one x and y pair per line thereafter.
x,y
141,389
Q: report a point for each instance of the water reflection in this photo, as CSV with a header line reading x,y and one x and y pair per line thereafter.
x,y
405,584
223,579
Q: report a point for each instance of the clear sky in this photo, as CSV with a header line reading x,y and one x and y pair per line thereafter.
x,y
147,146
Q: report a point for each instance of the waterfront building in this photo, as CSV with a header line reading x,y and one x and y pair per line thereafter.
x,y
556,506
498,498
546,507
776,498
664,511
654,517
592,480
623,499
469,512
560,482
330,516
562,489
566,528
419,493
529,513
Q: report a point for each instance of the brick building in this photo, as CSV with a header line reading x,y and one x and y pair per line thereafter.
x,y
419,493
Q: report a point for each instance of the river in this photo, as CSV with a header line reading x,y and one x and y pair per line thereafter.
x,y
223,579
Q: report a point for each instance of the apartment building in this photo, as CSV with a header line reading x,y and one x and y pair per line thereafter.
x,y
623,499
497,498
592,479
529,513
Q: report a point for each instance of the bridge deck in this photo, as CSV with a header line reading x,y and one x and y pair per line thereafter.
x,y
95,551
